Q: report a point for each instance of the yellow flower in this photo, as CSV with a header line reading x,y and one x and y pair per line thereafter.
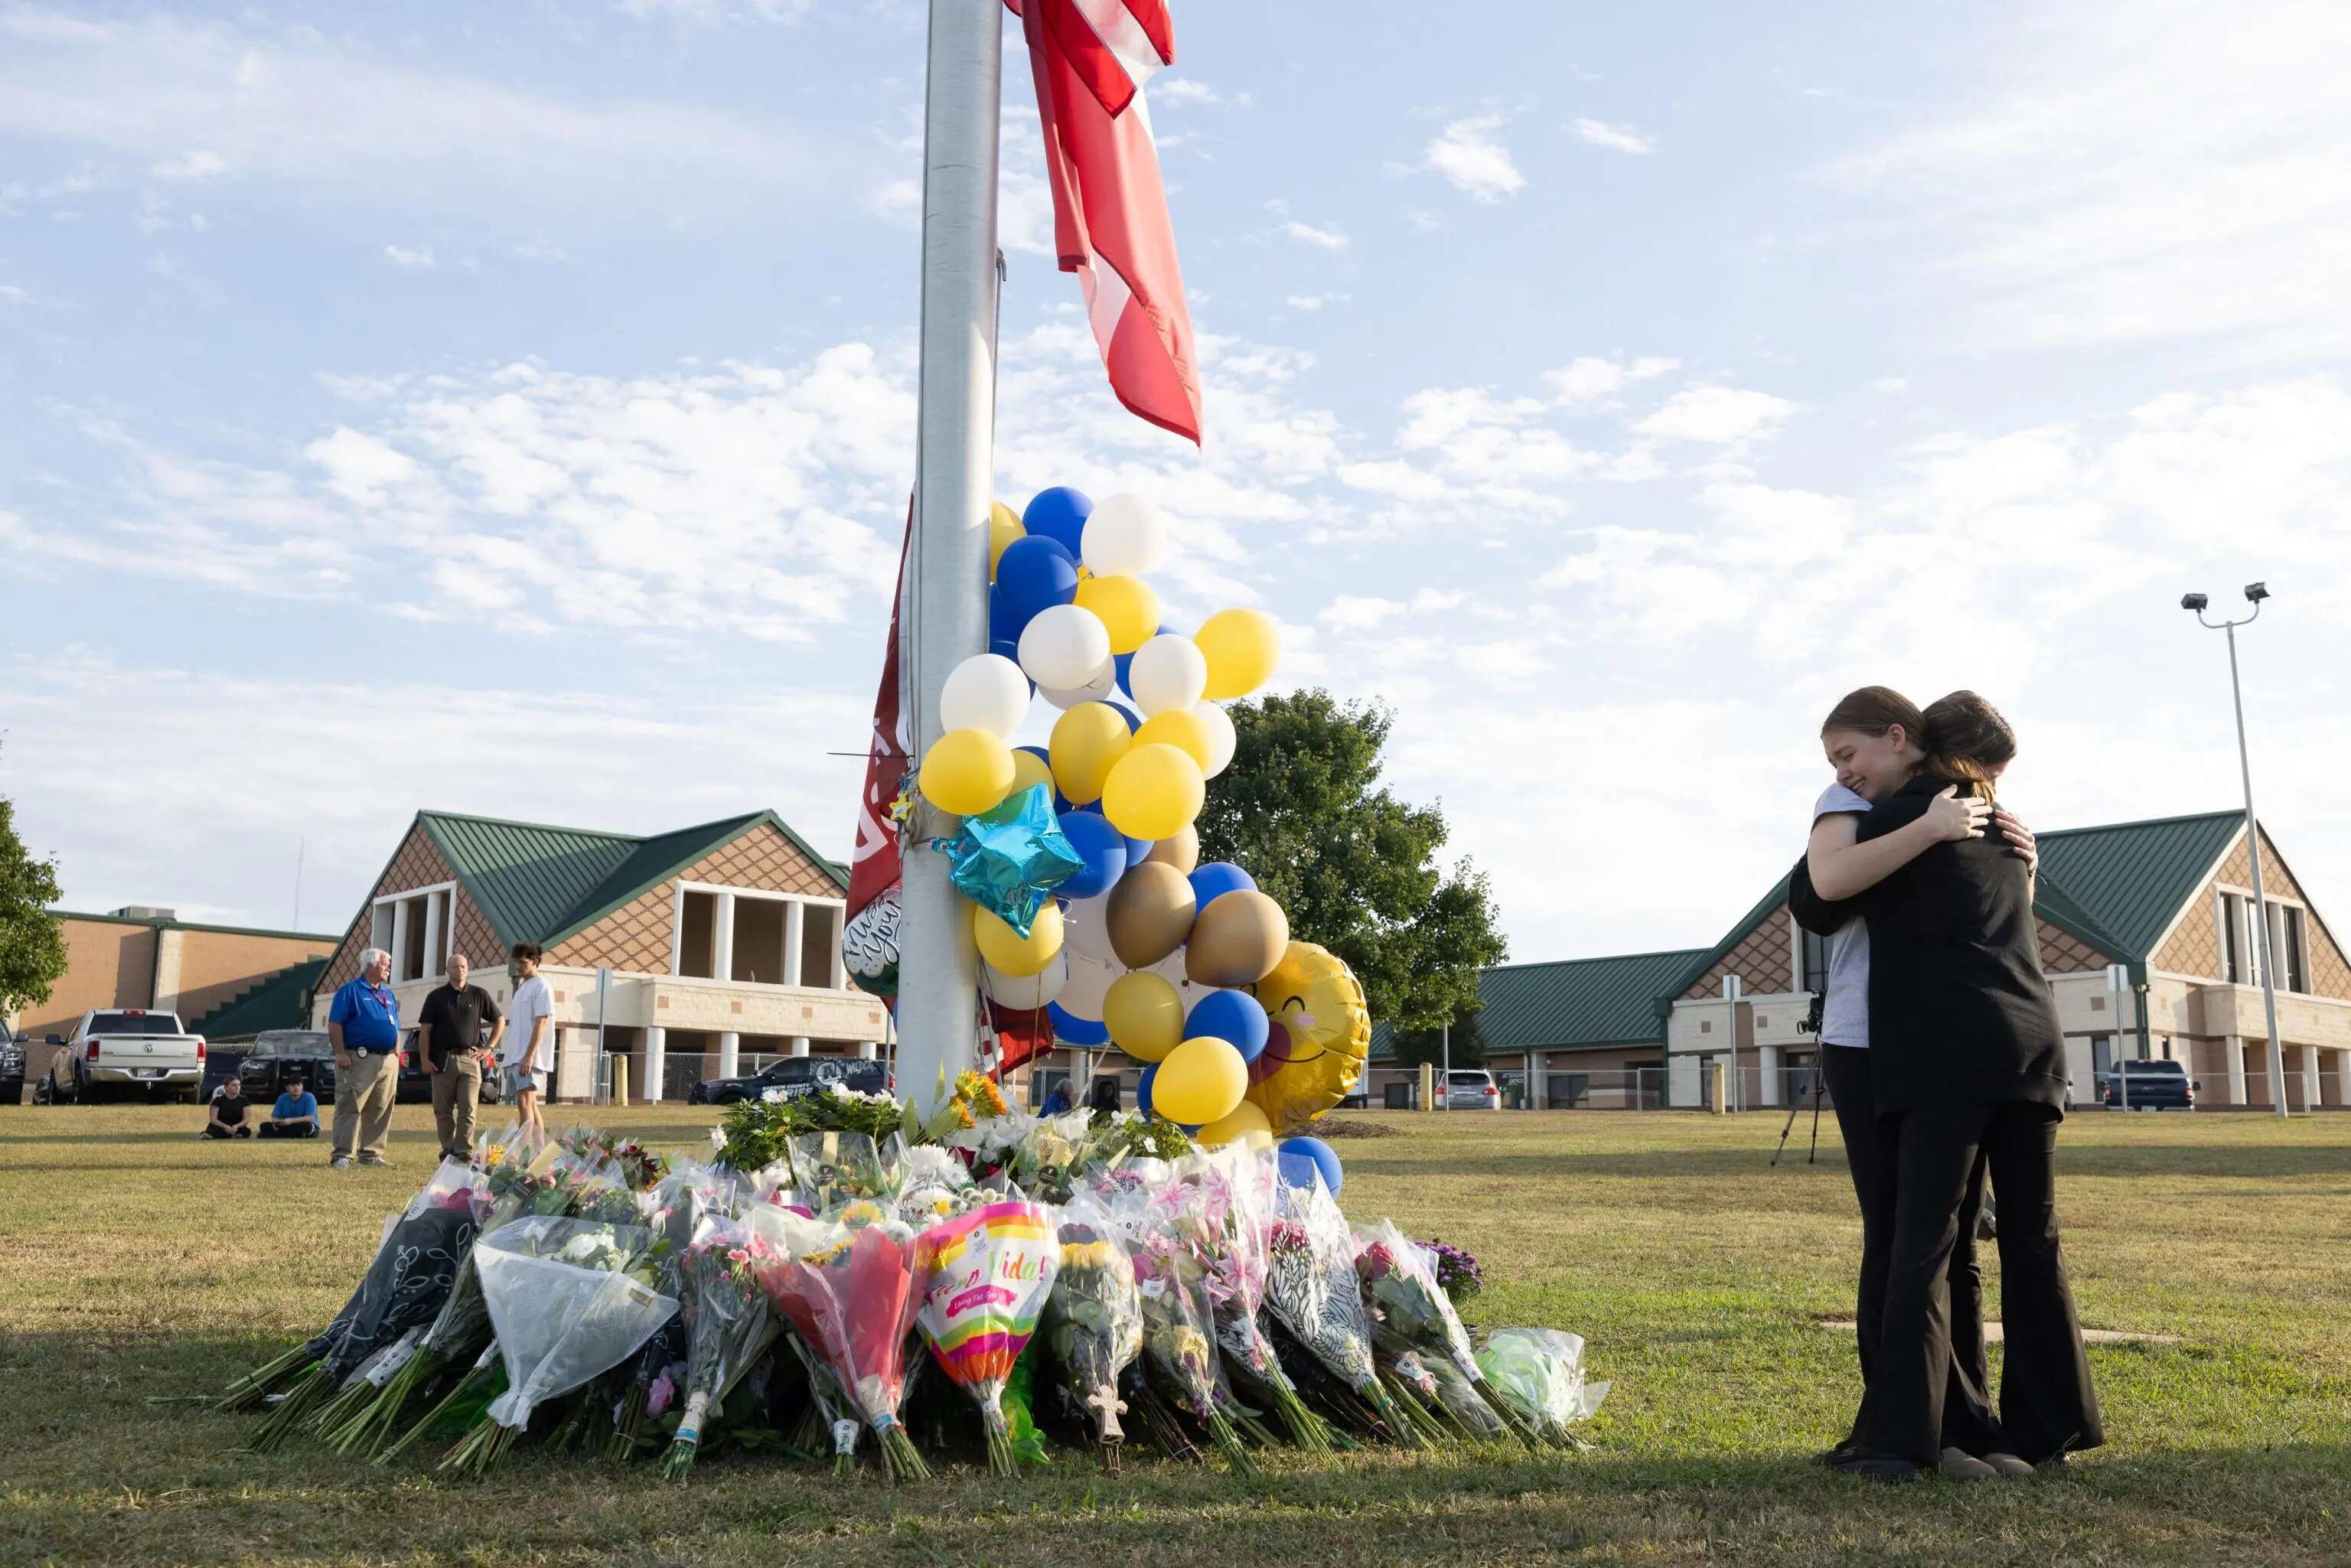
x,y
1086,1254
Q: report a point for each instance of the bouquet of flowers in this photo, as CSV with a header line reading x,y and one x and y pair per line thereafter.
x,y
1539,1372
1412,1314
984,1278
728,1325
1458,1269
1311,1286
1234,1240
570,1300
849,1294
938,1186
1094,1317
1121,1135
638,1167
1178,1324
833,1168
1044,1165
415,1265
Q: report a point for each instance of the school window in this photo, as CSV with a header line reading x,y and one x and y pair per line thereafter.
x,y
2286,948
1816,962
416,928
2234,969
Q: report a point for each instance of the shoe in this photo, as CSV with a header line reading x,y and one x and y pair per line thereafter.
x,y
341,1162
1872,1466
2009,1467
1962,1466
377,1160
1827,1459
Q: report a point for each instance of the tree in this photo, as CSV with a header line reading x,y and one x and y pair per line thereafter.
x,y
1414,1047
32,945
1302,810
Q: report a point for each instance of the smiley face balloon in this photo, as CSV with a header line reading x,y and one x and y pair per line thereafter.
x,y
1319,1033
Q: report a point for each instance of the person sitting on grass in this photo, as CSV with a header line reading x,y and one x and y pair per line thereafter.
x,y
296,1114
228,1108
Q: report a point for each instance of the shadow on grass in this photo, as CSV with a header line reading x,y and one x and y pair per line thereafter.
x,y
1685,1164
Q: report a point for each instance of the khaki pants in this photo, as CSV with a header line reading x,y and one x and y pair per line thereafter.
x,y
457,1091
363,1096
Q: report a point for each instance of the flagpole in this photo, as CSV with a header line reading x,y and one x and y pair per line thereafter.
x,y
946,586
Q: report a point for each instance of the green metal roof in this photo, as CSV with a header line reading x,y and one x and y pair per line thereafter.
x,y
1661,1001
1568,1003
542,884
281,1001
2132,878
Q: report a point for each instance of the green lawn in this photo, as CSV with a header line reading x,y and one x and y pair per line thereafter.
x,y
135,1260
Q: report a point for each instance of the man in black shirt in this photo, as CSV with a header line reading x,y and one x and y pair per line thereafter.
x,y
455,1034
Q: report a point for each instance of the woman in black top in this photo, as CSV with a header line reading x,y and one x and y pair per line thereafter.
x,y
1972,1062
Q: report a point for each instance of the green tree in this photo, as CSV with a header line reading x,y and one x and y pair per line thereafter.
x,y
32,946
1415,1046
1301,809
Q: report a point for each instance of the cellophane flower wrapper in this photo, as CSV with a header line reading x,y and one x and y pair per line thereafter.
x,y
1238,1189
1179,1330
728,1325
832,1168
1093,1315
1311,1286
1046,1160
984,1278
1411,1310
569,1301
687,1192
846,1284
1541,1372
938,1186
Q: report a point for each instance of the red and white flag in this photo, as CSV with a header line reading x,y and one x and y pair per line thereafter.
x,y
1090,58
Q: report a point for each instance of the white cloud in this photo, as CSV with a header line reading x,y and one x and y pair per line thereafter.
x,y
1590,378
1616,137
419,257
11,293
359,468
1182,89
712,13
1307,234
1721,416
200,164
1469,157
1305,302
1892,386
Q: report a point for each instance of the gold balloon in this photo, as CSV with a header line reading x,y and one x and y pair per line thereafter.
x,y
1201,1081
1181,728
1003,528
1245,1120
1012,953
1028,769
1181,851
1089,741
1149,914
1238,938
1143,1014
1320,1032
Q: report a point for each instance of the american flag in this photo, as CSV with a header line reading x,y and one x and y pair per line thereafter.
x,y
1111,227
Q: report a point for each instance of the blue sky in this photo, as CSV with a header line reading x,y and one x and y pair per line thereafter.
x,y
509,411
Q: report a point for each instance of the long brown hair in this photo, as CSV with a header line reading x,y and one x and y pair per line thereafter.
x,y
1875,710
1966,741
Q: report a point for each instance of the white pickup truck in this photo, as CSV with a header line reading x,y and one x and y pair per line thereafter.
x,y
123,1048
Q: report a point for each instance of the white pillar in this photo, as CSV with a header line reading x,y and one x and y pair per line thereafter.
x,y
795,924
2232,1049
1767,1070
2310,1078
836,961
399,939
800,1045
867,1050
730,1051
722,940
432,961
656,1059
1538,1081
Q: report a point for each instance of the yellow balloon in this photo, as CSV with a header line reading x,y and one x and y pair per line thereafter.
x,y
1089,741
1125,605
967,771
1320,1032
1028,769
1181,728
1143,1014
1241,646
1243,1121
1013,953
1003,528
1154,792
1199,1081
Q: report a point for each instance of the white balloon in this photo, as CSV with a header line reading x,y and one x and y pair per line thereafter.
x,y
1063,646
1125,536
1167,673
1221,739
1085,928
1170,969
1026,993
1104,682
1090,982
986,692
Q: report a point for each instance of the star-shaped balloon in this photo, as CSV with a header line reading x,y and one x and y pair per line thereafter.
x,y
1009,859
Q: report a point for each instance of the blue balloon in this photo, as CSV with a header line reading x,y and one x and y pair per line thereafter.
x,y
1143,1089
1302,1159
1071,1029
1138,850
1217,878
1059,514
1233,1016
1033,574
1104,848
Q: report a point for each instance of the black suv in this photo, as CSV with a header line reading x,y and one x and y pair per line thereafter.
x,y
793,1077
12,1067
2150,1086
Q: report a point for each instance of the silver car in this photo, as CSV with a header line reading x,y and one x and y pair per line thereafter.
x,y
1471,1088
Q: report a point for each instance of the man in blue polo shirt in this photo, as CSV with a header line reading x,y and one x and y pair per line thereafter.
x,y
363,1026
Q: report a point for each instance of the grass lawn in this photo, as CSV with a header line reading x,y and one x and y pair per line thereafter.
x,y
135,1260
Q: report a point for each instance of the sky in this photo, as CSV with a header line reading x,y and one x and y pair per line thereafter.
x,y
510,409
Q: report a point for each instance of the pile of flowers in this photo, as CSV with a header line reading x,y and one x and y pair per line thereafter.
x,y
847,1284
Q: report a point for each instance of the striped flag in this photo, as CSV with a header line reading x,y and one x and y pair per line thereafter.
x,y
1111,227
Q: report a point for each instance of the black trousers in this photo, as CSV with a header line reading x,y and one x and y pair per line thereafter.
x,y
274,1130
1872,1148
2046,1402
214,1130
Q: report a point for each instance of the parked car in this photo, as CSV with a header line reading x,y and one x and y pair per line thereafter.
x,y
122,1049
2151,1085
12,1068
793,1077
274,1051
1471,1088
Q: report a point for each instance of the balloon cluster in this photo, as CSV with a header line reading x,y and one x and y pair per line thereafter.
x,y
1140,944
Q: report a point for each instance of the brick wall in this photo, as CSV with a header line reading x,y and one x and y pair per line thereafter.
x,y
2194,946
637,936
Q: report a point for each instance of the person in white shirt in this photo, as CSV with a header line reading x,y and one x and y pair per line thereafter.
x,y
530,1054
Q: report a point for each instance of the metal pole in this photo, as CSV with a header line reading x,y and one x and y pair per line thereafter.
x,y
1730,986
1445,1093
946,596
2260,906
2115,1055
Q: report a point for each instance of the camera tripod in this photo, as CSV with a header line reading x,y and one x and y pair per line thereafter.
x,y
1812,1026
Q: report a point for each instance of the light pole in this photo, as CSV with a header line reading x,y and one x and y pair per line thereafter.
x,y
2255,592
